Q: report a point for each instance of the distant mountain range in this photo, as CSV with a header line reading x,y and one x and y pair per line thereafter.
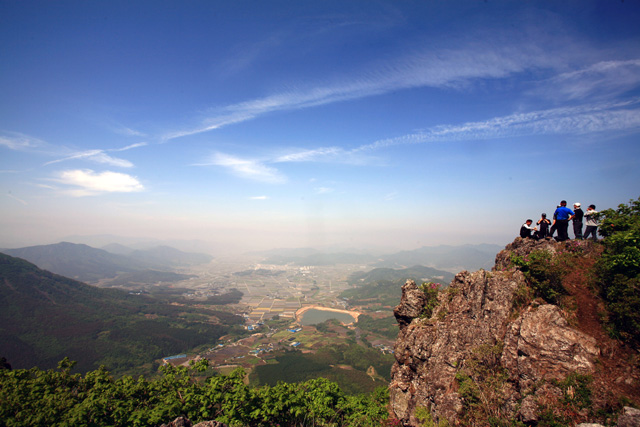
x,y
444,257
45,317
418,273
90,264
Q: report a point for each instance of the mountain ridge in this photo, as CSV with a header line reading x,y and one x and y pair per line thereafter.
x,y
45,317
89,264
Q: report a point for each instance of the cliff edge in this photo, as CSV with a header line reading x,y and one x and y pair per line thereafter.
x,y
493,351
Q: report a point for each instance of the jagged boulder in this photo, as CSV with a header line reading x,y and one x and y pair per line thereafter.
x,y
630,417
476,326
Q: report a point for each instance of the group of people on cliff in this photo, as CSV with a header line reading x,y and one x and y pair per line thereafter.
x,y
561,217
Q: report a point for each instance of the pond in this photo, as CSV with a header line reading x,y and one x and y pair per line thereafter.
x,y
314,316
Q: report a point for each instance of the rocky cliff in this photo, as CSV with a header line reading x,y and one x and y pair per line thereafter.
x,y
492,353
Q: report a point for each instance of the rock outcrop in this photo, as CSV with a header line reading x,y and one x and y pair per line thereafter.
x,y
484,346
185,422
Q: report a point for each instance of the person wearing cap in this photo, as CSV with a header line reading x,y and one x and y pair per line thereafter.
x,y
592,223
563,214
577,221
544,223
527,230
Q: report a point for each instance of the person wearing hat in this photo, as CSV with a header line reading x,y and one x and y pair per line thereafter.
x,y
577,221
562,216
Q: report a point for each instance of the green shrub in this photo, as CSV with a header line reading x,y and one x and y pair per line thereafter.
x,y
423,414
57,398
481,384
544,273
431,291
618,269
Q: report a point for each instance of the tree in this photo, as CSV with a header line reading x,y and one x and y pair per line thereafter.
x,y
619,269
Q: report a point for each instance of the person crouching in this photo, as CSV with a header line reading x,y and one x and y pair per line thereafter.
x,y
528,231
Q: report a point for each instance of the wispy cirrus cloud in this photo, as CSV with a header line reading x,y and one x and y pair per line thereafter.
x,y
101,156
429,68
259,198
252,169
577,120
20,141
11,196
129,132
324,190
98,156
310,155
602,79
86,182
130,147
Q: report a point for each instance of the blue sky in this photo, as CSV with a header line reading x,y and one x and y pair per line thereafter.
x,y
367,124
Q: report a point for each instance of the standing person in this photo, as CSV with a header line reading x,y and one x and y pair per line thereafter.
x,y
563,215
543,223
527,229
577,221
592,223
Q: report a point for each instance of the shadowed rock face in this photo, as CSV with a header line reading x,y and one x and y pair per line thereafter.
x,y
536,343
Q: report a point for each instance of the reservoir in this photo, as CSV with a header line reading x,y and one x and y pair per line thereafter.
x,y
314,316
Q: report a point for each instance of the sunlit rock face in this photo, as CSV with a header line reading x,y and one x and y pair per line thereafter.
x,y
533,345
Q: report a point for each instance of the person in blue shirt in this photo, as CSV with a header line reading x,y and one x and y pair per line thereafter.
x,y
563,215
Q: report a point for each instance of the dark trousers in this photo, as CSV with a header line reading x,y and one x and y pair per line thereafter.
x,y
577,229
562,225
591,229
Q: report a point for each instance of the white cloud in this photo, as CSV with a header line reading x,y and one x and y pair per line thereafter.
x,y
11,196
129,147
430,68
98,156
259,198
247,168
578,120
310,155
92,183
129,132
324,190
602,79
20,141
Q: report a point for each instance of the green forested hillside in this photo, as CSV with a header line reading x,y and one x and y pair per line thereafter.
x,y
45,317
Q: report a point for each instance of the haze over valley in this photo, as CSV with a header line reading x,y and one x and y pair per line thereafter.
x,y
253,310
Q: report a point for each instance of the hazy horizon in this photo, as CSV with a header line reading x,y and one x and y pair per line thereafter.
x,y
220,249
252,125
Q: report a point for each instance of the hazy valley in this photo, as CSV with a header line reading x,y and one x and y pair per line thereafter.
x,y
234,310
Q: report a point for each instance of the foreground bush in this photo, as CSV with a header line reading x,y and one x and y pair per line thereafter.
x,y
619,269
35,397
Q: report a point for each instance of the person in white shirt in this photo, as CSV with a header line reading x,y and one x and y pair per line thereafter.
x,y
592,223
527,230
